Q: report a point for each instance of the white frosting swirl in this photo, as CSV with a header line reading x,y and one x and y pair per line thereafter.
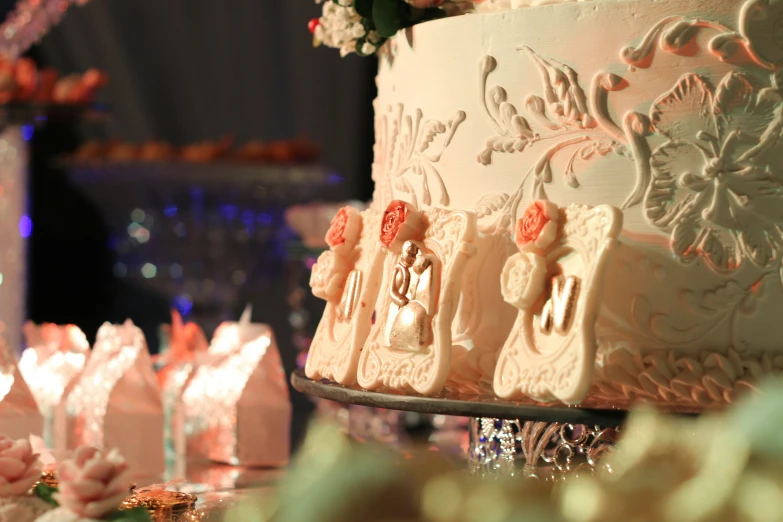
x,y
488,6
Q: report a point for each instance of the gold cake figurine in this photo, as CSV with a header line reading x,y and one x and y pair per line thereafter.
x,y
414,293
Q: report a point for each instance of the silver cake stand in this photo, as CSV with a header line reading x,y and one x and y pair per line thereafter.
x,y
527,438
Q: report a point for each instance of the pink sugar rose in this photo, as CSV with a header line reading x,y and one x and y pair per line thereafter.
x,y
401,222
538,227
93,483
345,230
19,467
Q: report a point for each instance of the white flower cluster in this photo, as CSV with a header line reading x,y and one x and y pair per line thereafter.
x,y
340,26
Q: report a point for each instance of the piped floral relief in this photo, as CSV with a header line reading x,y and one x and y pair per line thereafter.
x,y
711,184
564,119
409,146
707,157
715,183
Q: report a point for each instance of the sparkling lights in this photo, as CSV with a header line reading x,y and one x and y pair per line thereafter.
x,y
29,22
149,270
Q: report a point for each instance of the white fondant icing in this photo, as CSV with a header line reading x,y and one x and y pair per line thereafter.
x,y
557,362
668,111
334,351
448,245
666,117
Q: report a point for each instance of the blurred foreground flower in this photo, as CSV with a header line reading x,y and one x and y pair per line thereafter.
x,y
334,479
716,468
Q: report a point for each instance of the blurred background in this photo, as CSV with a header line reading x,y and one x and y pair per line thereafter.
x,y
121,228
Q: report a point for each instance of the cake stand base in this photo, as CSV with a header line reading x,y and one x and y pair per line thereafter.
x,y
506,438
534,449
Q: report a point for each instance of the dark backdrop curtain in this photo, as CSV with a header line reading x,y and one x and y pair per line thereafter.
x,y
188,70
183,71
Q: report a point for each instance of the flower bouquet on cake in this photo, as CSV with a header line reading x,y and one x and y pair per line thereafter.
x,y
362,26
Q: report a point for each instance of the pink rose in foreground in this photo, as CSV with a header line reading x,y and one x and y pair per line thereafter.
x,y
94,483
19,467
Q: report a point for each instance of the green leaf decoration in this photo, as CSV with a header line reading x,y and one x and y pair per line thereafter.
x,y
46,493
137,514
364,8
433,13
388,16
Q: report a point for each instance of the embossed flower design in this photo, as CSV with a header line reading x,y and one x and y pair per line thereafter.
x,y
328,276
713,183
401,222
761,23
344,230
537,228
523,279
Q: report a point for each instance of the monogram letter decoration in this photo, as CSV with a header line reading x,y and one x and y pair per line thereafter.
x,y
558,311
555,281
348,277
409,346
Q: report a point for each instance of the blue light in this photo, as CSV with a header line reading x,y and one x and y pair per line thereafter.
x,y
248,217
334,179
229,212
170,211
40,118
27,132
197,194
183,304
265,219
25,226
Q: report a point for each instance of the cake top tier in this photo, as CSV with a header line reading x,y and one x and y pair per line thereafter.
x,y
362,26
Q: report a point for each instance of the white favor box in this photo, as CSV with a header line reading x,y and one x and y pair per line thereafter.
x,y
236,407
54,357
116,402
19,414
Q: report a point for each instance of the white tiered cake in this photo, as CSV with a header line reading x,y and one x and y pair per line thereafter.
x,y
591,201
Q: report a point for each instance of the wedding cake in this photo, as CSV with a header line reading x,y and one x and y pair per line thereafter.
x,y
574,201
